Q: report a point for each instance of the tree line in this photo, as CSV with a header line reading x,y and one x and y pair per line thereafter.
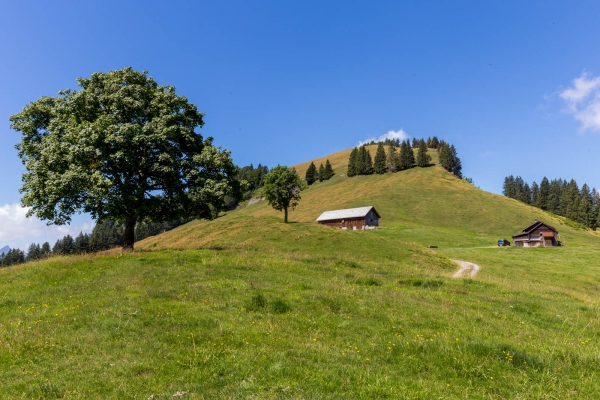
x,y
104,236
394,160
557,196
324,173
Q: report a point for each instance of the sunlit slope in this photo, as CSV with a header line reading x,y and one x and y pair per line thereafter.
x,y
423,205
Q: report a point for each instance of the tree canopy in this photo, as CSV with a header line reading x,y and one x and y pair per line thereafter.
x,y
121,147
282,189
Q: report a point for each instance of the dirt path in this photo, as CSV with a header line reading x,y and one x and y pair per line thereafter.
x,y
467,269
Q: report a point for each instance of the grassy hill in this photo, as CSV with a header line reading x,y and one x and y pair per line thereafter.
x,y
246,306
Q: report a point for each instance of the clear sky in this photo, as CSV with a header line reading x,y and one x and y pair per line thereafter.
x,y
515,85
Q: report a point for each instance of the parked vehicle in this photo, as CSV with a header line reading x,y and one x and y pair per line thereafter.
x,y
503,242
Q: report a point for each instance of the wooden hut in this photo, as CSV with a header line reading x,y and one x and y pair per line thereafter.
x,y
537,234
351,218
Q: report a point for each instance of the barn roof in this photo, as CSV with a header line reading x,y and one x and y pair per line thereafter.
x,y
347,213
536,225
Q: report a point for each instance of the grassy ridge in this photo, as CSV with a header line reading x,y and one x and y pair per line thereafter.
x,y
246,306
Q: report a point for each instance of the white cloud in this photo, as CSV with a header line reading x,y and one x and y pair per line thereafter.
x,y
583,100
17,230
399,134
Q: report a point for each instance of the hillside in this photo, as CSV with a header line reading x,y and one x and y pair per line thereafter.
x,y
246,306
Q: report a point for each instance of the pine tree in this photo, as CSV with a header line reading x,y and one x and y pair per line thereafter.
x,y
415,143
45,250
367,161
328,170
360,160
392,155
456,163
544,193
311,174
535,195
321,173
435,142
429,142
445,157
380,160
352,161
508,188
423,159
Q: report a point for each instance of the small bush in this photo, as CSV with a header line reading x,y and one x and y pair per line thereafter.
x,y
368,282
256,303
279,306
346,263
423,283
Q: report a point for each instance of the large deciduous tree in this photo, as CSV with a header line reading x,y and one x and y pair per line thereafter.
x,y
282,189
121,147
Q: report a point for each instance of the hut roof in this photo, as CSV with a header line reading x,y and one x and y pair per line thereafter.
x,y
536,225
347,213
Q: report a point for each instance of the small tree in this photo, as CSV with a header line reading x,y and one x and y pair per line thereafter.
x,y
392,158
407,158
352,163
328,170
380,160
311,174
366,162
282,189
423,159
321,173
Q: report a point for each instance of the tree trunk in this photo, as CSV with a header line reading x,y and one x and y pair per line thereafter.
x,y
129,234
285,211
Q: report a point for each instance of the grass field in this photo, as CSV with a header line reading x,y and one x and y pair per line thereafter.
x,y
247,307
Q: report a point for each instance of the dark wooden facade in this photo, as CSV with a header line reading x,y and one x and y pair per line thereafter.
x,y
368,221
537,234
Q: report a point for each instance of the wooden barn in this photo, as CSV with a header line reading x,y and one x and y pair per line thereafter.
x,y
351,218
537,234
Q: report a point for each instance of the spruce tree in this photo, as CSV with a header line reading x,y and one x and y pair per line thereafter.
x,y
379,167
321,173
311,174
535,195
352,163
328,170
456,163
391,158
435,142
445,157
367,164
407,158
544,193
423,159
508,189
415,143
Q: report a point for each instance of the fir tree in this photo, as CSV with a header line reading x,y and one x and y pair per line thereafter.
x,y
380,165
435,142
423,159
321,173
311,174
535,195
392,156
328,170
456,163
407,157
366,161
415,143
352,163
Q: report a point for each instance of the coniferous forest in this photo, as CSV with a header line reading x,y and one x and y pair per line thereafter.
x,y
557,196
400,156
104,236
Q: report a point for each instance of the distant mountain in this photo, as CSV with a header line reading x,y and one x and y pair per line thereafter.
x,y
4,250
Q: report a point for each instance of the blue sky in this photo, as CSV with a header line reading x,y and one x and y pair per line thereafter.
x,y
514,85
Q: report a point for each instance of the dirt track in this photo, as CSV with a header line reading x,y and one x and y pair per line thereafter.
x,y
467,269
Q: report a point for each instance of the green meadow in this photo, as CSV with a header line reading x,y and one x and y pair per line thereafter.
x,y
245,306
